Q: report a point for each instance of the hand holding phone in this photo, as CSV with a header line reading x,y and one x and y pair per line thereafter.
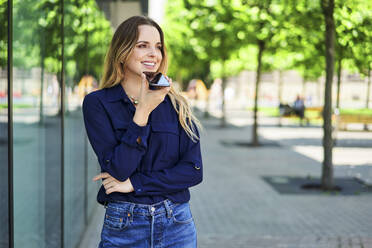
x,y
156,80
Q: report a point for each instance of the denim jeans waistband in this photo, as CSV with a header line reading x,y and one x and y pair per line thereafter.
x,y
165,206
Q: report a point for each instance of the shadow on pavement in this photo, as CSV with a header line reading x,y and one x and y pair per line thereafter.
x,y
295,185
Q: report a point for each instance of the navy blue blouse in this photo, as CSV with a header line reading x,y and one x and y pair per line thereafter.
x,y
165,163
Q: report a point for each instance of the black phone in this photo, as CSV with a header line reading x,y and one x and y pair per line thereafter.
x,y
156,80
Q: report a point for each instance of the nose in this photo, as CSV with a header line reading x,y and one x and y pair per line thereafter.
x,y
152,52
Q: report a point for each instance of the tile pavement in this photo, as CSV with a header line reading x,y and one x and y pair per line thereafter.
x,y
235,207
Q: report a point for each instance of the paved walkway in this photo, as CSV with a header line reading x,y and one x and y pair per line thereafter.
x,y
236,207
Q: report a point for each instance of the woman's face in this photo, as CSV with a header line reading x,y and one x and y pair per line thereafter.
x,y
146,55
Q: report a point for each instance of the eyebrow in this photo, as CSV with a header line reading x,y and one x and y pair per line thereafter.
x,y
141,41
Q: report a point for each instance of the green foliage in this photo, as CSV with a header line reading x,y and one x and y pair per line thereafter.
x,y
87,36
3,33
361,35
37,40
202,34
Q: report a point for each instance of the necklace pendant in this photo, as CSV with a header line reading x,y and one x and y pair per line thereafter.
x,y
135,102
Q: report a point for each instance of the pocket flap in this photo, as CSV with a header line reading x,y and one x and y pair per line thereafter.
x,y
119,124
166,128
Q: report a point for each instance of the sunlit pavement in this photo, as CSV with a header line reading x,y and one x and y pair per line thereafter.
x,y
235,207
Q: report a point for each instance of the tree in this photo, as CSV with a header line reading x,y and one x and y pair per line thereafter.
x,y
362,43
187,58
214,34
87,36
327,170
346,28
261,25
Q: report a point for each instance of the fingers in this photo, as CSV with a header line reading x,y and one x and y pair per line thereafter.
x,y
169,79
108,180
101,176
110,190
110,187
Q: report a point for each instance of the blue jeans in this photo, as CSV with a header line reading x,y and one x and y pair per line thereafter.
x,y
161,225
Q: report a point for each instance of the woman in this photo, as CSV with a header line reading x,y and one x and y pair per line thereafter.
x,y
147,144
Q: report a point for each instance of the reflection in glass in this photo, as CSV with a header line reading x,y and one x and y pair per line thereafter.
x,y
37,123
85,42
4,213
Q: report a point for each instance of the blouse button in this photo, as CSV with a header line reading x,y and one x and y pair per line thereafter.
x,y
196,167
107,161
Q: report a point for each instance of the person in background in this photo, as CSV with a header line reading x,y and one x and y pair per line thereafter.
x,y
299,108
147,143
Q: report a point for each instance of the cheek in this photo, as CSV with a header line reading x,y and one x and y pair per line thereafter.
x,y
160,56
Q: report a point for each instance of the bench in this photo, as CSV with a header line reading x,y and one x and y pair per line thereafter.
x,y
286,111
343,119
340,121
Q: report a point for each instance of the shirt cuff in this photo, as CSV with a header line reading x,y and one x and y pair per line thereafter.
x,y
133,132
136,183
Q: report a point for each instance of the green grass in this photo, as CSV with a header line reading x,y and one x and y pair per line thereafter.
x,y
268,111
314,117
363,111
16,106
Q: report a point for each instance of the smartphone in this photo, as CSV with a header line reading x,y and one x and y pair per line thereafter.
x,y
156,80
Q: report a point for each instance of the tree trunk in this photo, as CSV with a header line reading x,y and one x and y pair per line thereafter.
x,y
319,92
42,67
339,69
261,47
206,110
327,170
223,86
280,94
368,87
180,81
280,86
368,93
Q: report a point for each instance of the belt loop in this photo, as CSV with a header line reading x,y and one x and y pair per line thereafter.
x,y
168,208
132,205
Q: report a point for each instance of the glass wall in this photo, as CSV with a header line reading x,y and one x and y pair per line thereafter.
x,y
86,33
37,122
58,52
4,189
57,55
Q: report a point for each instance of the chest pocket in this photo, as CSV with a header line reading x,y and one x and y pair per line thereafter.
x,y
165,142
119,128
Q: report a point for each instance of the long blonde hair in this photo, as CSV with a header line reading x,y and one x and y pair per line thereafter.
x,y
121,47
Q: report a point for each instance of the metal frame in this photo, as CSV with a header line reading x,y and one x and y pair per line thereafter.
x,y
62,125
10,124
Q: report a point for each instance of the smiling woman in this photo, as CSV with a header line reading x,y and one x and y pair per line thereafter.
x,y
147,143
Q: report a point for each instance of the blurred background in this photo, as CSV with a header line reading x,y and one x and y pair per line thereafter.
x,y
283,89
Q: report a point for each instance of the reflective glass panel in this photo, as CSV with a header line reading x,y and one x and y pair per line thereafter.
x,y
4,122
37,123
85,43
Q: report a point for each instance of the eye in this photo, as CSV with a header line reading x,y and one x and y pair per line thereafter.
x,y
141,46
160,47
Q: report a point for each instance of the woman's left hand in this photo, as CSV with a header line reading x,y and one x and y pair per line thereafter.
x,y
111,184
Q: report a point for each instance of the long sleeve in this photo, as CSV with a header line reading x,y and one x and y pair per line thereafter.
x,y
187,172
120,158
